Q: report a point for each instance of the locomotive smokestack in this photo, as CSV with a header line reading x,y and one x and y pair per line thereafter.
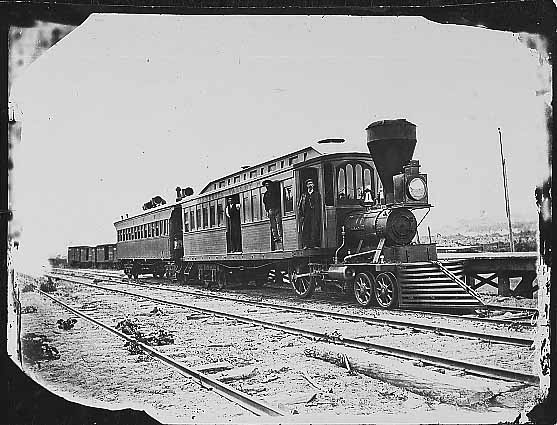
x,y
391,144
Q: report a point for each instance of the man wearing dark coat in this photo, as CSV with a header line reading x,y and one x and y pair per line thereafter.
x,y
233,218
309,211
271,200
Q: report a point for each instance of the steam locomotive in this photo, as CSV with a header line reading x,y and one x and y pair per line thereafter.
x,y
368,240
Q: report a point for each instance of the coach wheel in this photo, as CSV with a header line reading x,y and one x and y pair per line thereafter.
x,y
386,290
303,285
363,289
222,279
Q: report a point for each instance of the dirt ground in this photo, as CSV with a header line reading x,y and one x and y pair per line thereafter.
x,y
91,366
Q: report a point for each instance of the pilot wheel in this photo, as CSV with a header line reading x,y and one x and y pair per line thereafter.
x,y
386,290
364,284
302,284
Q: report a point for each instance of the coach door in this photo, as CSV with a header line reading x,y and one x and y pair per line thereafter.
x,y
233,224
310,226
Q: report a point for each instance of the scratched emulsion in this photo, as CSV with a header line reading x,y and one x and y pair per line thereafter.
x,y
25,45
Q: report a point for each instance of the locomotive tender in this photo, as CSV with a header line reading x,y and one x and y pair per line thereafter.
x,y
367,241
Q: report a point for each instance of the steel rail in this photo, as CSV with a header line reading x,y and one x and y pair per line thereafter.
x,y
249,403
489,320
472,368
529,311
373,320
527,342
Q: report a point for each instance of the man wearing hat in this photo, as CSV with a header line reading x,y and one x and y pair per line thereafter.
x,y
309,211
271,200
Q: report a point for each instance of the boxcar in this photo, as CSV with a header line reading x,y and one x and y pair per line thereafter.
x,y
105,256
80,256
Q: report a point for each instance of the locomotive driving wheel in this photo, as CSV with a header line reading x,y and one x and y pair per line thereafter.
x,y
386,290
302,284
364,284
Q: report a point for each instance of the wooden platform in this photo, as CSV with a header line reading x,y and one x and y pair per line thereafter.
x,y
496,269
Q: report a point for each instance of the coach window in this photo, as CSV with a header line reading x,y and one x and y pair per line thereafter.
x,y
292,160
359,182
192,219
252,174
352,180
186,220
144,231
205,215
198,216
166,227
341,184
237,179
212,210
349,182
220,213
247,207
157,230
368,180
256,204
288,196
222,183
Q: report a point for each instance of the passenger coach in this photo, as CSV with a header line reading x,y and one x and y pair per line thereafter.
x,y
150,242
341,180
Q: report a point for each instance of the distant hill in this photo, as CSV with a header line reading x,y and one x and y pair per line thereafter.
x,y
486,226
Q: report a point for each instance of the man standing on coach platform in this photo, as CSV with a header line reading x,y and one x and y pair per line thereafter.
x,y
271,200
309,211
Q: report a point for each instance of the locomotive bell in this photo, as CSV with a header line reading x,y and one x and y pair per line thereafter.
x,y
391,144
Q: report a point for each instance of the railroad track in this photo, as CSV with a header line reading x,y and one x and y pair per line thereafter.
x,y
524,320
436,360
439,329
249,403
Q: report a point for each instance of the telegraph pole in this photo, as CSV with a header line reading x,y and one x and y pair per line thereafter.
x,y
507,204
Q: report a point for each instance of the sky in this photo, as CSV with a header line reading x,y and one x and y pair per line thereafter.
x,y
126,107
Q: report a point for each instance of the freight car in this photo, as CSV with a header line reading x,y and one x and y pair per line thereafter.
x,y
100,256
363,236
106,257
81,256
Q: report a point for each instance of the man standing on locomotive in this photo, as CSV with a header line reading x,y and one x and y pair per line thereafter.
x,y
309,211
271,200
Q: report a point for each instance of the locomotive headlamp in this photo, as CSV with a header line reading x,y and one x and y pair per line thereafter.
x,y
416,188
